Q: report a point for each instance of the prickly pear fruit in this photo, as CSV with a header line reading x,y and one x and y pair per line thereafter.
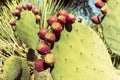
x,y
71,19
49,59
63,13
39,65
12,22
62,19
29,6
50,37
99,3
19,8
52,19
104,10
56,27
43,48
95,19
42,33
35,11
24,6
37,18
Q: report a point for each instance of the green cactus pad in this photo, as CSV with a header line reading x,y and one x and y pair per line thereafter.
x,y
15,68
111,27
12,68
27,29
81,55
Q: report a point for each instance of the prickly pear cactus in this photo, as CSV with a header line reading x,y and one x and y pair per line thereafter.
x,y
81,55
111,27
15,68
27,29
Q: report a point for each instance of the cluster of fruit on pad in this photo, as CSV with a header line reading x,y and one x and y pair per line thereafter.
x,y
101,5
19,9
48,37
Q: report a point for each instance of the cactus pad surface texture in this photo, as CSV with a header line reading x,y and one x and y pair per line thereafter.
x,y
81,55
111,27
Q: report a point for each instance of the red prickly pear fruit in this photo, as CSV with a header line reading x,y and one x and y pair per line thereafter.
x,y
56,27
50,37
39,65
14,13
42,33
24,6
35,11
18,12
95,19
71,19
62,19
99,3
29,6
37,18
52,19
19,8
104,10
12,22
49,59
62,12
43,48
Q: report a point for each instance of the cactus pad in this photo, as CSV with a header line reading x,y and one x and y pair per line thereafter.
x,y
81,55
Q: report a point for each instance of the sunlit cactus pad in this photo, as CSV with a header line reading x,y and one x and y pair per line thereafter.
x,y
81,55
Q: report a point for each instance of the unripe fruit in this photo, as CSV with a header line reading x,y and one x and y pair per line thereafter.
x,y
62,19
49,59
99,3
50,37
95,19
71,19
43,48
62,12
52,19
42,33
56,27
39,65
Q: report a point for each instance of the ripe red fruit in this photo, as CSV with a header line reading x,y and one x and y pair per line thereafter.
x,y
14,13
39,65
62,12
29,6
12,22
37,18
71,19
42,33
19,8
56,27
62,19
52,19
104,10
35,11
95,19
43,48
49,59
24,6
50,37
99,3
